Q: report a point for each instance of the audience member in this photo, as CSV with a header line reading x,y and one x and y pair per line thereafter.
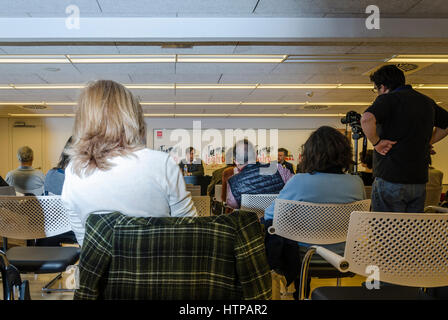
x,y
191,166
325,160
400,125
54,180
217,174
110,168
282,154
367,163
25,179
326,157
250,178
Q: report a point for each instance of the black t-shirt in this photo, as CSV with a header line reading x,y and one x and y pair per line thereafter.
x,y
408,117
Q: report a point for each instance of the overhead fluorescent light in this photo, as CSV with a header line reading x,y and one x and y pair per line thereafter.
x,y
216,86
419,58
297,86
232,58
47,87
80,58
33,59
432,86
150,86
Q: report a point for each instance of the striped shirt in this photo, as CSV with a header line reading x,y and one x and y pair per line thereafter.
x,y
207,258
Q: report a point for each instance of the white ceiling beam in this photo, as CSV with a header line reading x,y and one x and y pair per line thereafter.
x,y
218,29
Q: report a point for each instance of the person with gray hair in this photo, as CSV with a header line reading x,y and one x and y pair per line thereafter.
x,y
25,179
252,177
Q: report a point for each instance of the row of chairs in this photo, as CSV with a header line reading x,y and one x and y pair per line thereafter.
x,y
303,222
29,217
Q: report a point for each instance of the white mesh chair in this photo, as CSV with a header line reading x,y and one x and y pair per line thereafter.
x,y
316,223
405,249
257,202
30,217
203,205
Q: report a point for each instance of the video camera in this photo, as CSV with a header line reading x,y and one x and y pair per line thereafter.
x,y
353,119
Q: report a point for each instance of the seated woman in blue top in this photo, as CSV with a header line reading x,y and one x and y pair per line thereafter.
x,y
322,175
54,180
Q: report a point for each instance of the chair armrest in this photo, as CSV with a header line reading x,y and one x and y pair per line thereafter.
x,y
340,263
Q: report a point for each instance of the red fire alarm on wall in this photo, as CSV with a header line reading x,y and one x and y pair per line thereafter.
x,y
159,134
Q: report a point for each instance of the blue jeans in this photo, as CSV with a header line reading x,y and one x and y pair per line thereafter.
x,y
398,197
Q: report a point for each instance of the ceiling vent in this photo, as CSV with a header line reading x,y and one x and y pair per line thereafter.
x,y
35,107
315,107
407,68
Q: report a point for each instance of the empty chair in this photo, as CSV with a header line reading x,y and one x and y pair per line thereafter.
x,y
407,250
205,258
27,218
314,223
257,202
203,205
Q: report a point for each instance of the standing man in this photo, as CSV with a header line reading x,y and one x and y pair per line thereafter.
x,y
402,124
191,166
282,154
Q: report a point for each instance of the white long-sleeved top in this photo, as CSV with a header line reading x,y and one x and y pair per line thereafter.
x,y
146,183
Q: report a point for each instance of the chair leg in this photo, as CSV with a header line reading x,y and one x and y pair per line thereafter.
x,y
338,282
47,288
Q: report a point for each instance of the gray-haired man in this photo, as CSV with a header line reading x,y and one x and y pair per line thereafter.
x,y
25,179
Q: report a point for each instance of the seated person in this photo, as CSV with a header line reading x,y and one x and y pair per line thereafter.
x,y
110,167
282,154
250,178
326,157
191,166
54,180
217,174
367,162
25,179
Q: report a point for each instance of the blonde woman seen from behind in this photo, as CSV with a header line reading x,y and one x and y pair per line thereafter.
x,y
111,169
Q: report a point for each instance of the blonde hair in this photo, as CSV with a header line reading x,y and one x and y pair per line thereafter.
x,y
109,123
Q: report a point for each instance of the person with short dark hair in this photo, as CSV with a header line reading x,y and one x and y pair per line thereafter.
x,y
282,154
25,179
367,163
191,166
401,124
321,178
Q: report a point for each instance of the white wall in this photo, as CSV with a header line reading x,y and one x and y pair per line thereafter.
x,y
58,130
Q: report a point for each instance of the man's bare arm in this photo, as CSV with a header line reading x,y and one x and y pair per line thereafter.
x,y
368,124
